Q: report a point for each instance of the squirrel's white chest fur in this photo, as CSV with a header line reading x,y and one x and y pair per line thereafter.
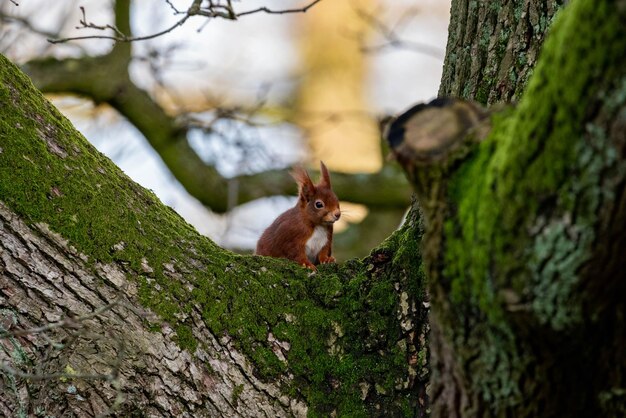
x,y
315,243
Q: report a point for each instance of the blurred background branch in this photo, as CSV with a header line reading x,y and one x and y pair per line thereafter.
x,y
226,148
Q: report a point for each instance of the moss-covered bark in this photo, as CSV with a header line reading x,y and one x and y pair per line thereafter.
x,y
525,250
349,338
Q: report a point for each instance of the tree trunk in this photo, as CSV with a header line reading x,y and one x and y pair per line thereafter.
x,y
111,304
524,233
493,47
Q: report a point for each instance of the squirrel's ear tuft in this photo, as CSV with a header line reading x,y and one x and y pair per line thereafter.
x,y
306,189
325,180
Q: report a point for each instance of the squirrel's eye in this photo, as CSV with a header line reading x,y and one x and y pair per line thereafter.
x,y
319,204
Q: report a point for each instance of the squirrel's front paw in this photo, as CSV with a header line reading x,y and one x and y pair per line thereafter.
x,y
309,265
326,260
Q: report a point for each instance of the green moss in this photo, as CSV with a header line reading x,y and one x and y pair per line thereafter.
x,y
537,156
482,94
350,338
236,394
185,338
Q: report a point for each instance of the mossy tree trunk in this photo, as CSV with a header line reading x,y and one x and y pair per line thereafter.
x,y
524,236
111,303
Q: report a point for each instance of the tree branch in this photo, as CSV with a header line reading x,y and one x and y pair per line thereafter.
x,y
121,37
104,79
524,234
213,333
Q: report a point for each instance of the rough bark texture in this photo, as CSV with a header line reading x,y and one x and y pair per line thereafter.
x,y
111,361
524,237
193,330
493,47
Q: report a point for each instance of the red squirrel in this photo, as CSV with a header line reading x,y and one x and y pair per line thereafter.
x,y
304,233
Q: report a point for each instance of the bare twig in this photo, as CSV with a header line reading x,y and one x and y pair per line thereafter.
x,y
89,25
66,323
279,12
121,36
393,40
213,11
38,376
176,11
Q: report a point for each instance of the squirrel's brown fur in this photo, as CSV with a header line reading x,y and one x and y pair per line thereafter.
x,y
304,233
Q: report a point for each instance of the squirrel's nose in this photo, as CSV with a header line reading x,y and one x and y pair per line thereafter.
x,y
337,215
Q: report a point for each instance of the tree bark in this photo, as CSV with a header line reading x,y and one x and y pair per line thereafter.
x,y
493,47
111,304
524,242
110,361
